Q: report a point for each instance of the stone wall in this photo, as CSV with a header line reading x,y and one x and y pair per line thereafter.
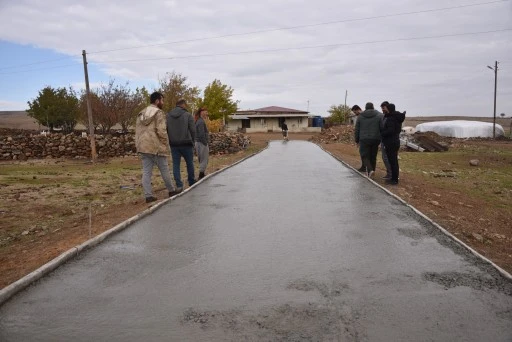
x,y
19,145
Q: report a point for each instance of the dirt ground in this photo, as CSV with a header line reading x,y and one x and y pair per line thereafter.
x,y
46,205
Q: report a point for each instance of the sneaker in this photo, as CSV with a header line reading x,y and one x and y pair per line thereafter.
x,y
371,173
151,199
386,177
201,175
391,182
361,169
175,192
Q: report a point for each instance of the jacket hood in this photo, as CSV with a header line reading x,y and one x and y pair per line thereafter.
x,y
400,117
147,115
177,112
370,113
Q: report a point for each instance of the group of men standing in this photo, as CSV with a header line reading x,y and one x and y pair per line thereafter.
x,y
374,128
157,132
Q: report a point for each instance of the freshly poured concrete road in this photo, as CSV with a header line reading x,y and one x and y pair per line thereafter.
x,y
287,246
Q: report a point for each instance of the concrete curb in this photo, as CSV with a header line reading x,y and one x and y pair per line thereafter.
x,y
7,292
422,215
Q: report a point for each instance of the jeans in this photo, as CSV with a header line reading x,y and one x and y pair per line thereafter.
x,y
392,152
203,152
148,161
385,160
187,152
369,148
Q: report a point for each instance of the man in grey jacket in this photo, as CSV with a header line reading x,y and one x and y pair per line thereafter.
x,y
181,132
202,139
367,135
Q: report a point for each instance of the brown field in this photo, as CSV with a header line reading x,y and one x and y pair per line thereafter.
x,y
20,120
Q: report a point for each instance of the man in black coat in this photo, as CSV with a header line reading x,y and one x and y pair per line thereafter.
x,y
390,133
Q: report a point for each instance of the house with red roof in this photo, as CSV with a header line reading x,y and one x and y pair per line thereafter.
x,y
269,119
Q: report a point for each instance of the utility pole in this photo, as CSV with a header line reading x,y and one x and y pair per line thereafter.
x,y
495,91
89,109
308,107
346,93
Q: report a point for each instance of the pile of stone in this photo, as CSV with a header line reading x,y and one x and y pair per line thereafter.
x,y
228,142
29,145
56,145
342,133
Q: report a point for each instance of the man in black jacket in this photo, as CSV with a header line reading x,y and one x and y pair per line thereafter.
x,y
181,131
390,133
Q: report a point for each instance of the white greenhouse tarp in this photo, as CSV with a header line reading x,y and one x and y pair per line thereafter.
x,y
461,129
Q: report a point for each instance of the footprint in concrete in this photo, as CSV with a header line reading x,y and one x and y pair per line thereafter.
x,y
287,322
335,290
415,234
475,281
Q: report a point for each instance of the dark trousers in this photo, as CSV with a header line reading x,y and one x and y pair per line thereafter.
x,y
368,149
187,152
392,153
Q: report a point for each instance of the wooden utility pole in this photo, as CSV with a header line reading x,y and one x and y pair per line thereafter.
x,y
495,91
346,93
89,109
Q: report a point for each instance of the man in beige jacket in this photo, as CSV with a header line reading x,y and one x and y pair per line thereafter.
x,y
153,145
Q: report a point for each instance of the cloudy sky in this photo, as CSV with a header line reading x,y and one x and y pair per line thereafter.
x,y
364,47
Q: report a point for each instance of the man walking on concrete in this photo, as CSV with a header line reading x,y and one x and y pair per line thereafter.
x,y
367,135
385,111
181,131
152,145
202,140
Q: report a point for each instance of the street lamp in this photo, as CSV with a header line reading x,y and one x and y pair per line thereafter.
x,y
495,90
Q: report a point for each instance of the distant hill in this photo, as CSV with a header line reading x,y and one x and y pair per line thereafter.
x,y
17,120
21,120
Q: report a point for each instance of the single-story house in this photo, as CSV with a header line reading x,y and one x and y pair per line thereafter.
x,y
269,119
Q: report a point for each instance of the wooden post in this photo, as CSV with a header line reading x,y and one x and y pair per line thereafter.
x,y
89,109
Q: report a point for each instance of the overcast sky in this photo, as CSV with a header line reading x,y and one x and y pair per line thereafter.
x,y
438,76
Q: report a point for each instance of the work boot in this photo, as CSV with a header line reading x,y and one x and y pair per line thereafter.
x,y
151,199
201,175
175,192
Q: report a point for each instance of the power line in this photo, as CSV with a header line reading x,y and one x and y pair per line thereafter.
x,y
303,26
269,50
306,47
30,70
266,31
40,62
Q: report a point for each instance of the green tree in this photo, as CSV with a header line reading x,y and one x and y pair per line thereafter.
x,y
218,99
55,107
339,114
174,87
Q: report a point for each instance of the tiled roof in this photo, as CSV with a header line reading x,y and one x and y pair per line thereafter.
x,y
273,109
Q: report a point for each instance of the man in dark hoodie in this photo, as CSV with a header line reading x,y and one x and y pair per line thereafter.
x,y
181,131
367,135
384,107
391,139
202,140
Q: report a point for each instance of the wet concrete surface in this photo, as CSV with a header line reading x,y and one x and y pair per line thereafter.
x,y
287,246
